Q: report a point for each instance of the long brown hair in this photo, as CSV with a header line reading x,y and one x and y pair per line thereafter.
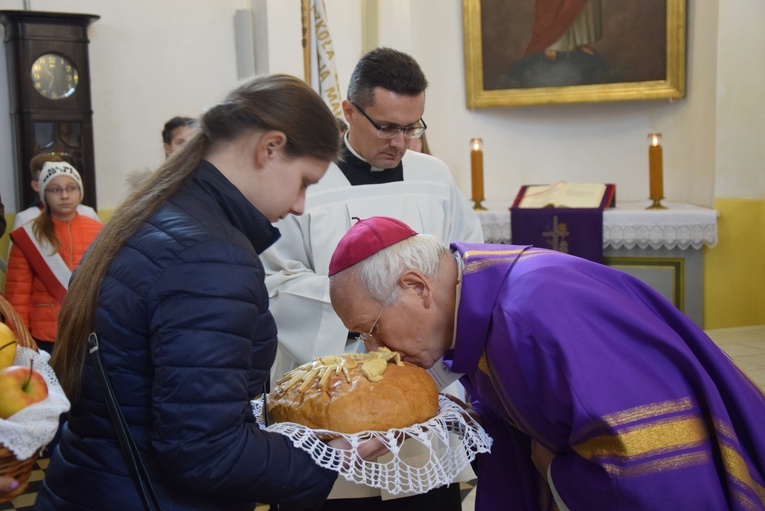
x,y
277,102
44,230
42,226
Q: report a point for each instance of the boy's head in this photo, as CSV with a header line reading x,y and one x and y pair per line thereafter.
x,y
36,165
177,131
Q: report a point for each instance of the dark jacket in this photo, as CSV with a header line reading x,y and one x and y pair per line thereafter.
x,y
3,224
187,340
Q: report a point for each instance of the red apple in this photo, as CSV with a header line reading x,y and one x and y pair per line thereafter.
x,y
20,387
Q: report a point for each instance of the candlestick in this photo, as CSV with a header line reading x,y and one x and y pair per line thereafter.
x,y
476,172
655,171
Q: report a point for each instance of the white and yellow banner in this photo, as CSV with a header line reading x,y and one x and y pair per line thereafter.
x,y
319,55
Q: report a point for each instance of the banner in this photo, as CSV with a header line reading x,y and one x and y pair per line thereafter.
x,y
320,67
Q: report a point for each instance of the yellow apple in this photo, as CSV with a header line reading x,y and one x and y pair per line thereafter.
x,y
7,346
20,387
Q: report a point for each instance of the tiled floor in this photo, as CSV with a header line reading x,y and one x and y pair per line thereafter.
x,y
746,345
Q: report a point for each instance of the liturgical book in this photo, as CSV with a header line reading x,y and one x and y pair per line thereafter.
x,y
565,195
567,217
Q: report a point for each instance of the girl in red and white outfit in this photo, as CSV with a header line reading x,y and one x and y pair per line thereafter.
x,y
46,250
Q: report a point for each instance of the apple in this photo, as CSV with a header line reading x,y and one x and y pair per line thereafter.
x,y
7,346
20,387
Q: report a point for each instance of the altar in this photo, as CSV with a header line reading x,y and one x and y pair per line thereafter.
x,y
661,247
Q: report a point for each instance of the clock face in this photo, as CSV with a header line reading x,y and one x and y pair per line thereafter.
x,y
54,76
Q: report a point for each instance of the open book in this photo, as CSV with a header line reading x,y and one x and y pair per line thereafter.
x,y
563,195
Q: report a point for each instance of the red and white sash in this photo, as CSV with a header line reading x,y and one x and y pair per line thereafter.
x,y
46,263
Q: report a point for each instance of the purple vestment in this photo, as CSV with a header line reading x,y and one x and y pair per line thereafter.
x,y
642,409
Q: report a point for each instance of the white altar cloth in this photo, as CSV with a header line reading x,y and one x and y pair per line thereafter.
x,y
628,225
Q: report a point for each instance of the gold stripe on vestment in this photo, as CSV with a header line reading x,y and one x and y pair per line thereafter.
x,y
498,257
655,438
659,465
483,365
738,470
744,501
630,415
475,253
482,264
646,411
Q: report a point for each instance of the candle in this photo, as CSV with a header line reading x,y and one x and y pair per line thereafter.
x,y
655,167
476,169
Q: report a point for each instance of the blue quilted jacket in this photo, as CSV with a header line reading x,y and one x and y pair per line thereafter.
x,y
187,339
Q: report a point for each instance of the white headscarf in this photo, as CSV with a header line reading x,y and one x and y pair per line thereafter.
x,y
53,169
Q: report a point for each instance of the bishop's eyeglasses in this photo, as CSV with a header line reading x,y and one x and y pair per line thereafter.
x,y
393,131
369,337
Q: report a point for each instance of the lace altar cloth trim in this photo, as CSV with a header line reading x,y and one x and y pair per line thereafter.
x,y
658,236
495,226
449,442
33,427
630,225
682,226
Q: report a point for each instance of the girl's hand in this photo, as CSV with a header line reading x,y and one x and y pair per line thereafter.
x,y
369,450
7,485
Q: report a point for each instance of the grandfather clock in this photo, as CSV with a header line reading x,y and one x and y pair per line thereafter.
x,y
49,83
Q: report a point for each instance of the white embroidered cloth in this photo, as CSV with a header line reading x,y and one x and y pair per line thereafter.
x,y
629,225
32,428
682,226
449,442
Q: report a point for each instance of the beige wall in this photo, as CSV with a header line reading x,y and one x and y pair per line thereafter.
x,y
151,60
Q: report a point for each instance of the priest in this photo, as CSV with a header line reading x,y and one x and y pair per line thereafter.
x,y
598,392
377,174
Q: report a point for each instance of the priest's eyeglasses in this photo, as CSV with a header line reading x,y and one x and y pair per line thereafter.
x,y
369,337
393,131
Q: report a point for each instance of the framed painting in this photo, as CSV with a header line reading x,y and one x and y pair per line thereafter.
x,y
535,52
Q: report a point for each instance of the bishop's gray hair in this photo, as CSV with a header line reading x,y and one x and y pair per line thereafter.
x,y
379,273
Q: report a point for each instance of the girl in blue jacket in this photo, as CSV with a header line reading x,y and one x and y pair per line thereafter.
x,y
174,289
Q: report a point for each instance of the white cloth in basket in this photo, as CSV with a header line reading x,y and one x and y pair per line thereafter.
x,y
449,441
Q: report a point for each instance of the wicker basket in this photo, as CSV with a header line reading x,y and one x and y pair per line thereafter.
x,y
9,465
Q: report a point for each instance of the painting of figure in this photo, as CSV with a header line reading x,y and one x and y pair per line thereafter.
x,y
528,44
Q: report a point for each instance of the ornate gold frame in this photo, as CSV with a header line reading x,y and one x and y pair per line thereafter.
x,y
673,87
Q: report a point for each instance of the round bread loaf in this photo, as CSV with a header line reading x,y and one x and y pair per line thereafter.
x,y
355,392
